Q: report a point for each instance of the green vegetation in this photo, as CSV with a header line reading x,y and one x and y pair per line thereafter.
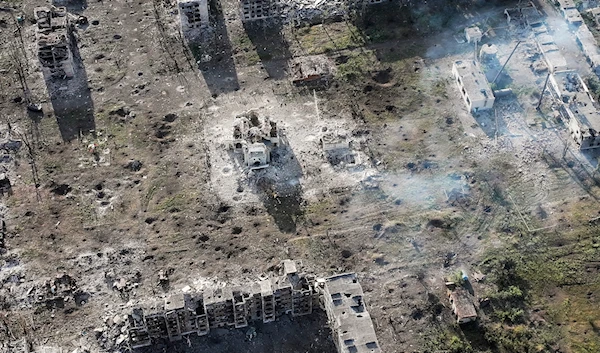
x,y
328,38
355,66
448,341
593,84
530,273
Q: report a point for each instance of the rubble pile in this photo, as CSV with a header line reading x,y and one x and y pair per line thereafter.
x,y
314,11
56,292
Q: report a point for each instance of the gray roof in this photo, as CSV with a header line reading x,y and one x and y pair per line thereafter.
x,y
474,80
352,322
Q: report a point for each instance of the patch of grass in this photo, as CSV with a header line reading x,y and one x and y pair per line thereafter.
x,y
523,90
449,341
356,66
533,271
175,203
319,208
439,88
329,38
520,338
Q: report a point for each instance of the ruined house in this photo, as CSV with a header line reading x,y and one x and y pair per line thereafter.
x,y
338,150
54,41
254,137
462,305
193,16
576,106
527,15
312,71
473,85
349,319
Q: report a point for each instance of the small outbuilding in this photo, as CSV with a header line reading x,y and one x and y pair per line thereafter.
x,y
462,305
473,34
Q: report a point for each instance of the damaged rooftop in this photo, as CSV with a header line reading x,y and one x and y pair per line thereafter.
x,y
299,176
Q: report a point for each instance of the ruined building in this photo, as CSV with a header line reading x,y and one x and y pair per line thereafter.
x,y
301,11
255,137
183,314
193,16
549,49
473,85
349,319
252,10
54,41
338,150
313,71
288,293
577,109
462,305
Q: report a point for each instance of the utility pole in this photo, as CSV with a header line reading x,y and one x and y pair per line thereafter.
x,y
543,90
507,60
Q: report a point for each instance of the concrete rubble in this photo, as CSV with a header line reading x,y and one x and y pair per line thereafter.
x,y
54,293
24,346
54,41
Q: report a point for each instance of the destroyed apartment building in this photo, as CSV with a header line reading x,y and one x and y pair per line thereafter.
x,y
301,11
568,9
545,43
577,109
589,46
193,17
289,293
54,41
527,15
473,85
350,321
253,10
255,137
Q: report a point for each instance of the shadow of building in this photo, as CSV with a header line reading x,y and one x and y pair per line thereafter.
x,y
213,53
71,99
308,334
64,73
273,169
271,46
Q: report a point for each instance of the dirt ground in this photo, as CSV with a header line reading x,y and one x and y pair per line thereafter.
x,y
126,175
